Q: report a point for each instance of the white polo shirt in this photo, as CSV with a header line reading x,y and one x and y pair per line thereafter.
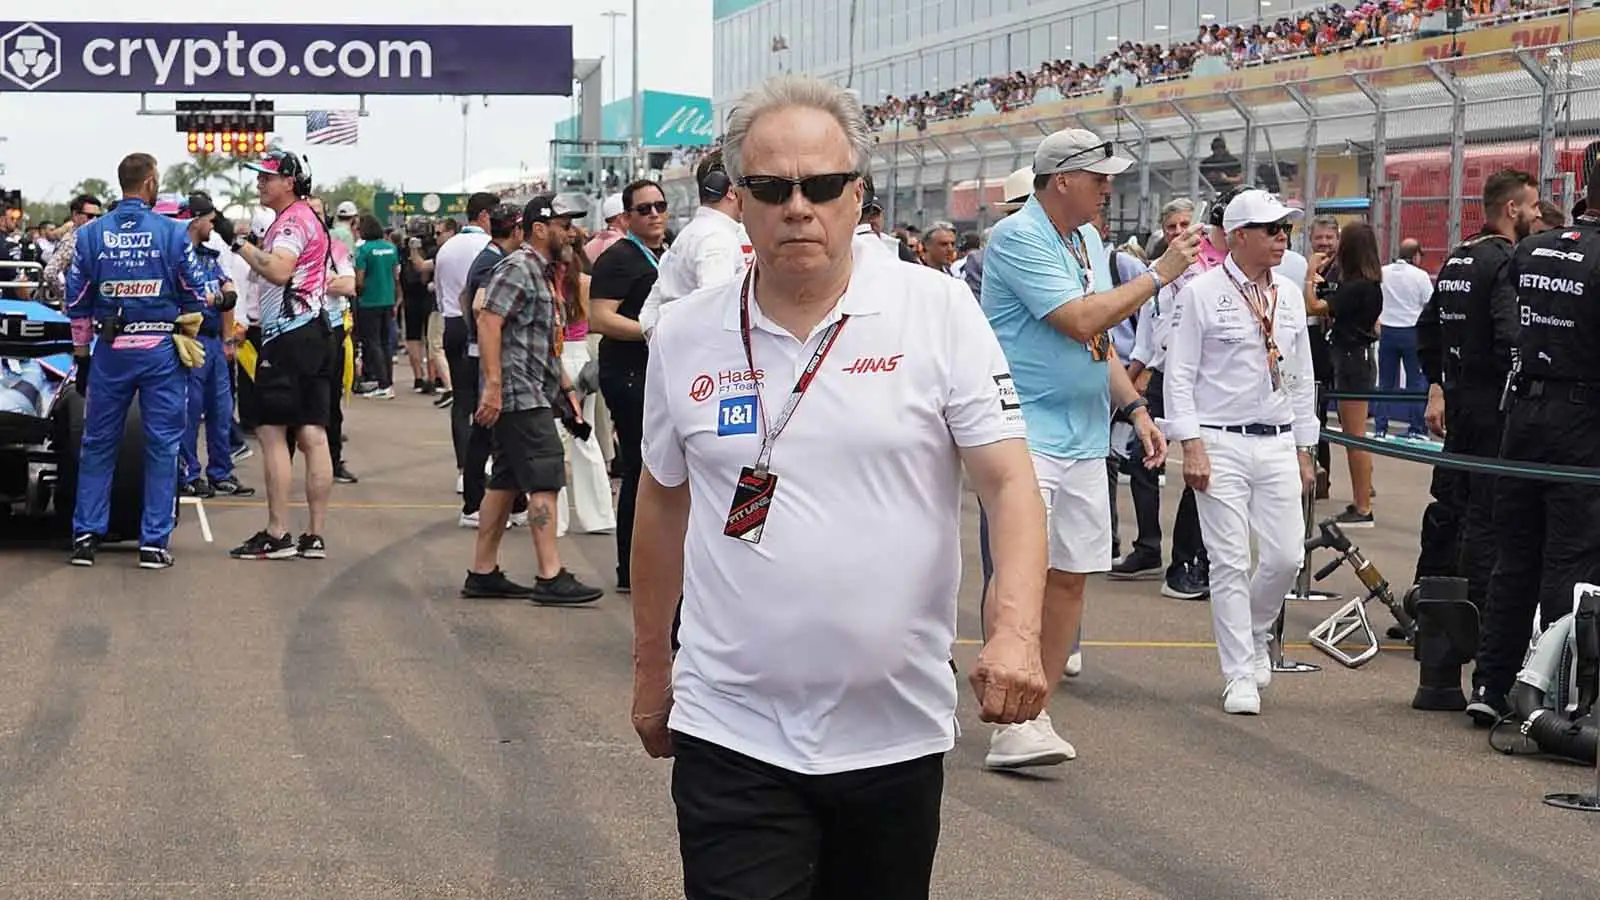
x,y
826,647
452,264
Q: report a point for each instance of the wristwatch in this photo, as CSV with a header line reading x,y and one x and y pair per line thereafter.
x,y
1127,411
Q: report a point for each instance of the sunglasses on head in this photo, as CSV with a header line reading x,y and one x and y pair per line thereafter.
x,y
1273,229
644,209
776,190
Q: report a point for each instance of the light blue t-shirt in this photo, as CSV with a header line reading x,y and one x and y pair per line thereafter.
x,y
1028,272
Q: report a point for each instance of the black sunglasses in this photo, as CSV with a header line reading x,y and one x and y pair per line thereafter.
x,y
645,209
1273,229
776,190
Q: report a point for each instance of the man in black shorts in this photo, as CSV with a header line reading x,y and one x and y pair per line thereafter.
x,y
519,343
291,268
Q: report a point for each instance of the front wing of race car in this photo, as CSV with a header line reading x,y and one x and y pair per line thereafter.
x,y
35,377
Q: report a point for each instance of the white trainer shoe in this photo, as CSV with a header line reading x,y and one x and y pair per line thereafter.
x,y
1026,744
518,520
1240,697
1074,664
1263,665
468,520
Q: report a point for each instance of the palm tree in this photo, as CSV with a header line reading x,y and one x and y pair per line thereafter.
x,y
95,187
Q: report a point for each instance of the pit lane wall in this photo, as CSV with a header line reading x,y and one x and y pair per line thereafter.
x,y
1404,133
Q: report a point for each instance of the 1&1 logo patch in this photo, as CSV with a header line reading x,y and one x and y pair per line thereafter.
x,y
736,415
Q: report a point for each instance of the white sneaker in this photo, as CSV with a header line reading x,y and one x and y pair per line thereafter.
x,y
1074,664
1025,744
518,520
461,483
1240,697
1263,662
468,520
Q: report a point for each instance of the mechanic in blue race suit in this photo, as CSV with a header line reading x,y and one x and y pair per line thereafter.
x,y
133,274
210,389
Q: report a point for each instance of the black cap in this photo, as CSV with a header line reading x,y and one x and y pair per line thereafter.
x,y
506,215
545,207
869,194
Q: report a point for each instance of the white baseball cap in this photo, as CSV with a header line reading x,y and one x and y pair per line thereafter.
x,y
1016,188
347,210
611,207
1077,150
1256,207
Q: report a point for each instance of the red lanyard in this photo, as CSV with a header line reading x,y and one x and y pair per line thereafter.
x,y
770,432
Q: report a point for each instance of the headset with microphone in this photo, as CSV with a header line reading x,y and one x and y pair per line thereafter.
x,y
716,184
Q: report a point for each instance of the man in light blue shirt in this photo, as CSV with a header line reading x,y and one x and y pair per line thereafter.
x,y
1048,294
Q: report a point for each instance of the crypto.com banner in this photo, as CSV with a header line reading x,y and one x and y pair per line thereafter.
x,y
143,57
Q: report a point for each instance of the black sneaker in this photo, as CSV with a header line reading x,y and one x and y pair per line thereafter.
x,y
83,549
311,546
242,452
1486,708
418,386
444,399
1139,563
343,475
155,558
231,487
563,589
1352,519
1185,583
264,546
494,585
200,487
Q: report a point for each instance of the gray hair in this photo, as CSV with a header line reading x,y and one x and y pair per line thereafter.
x,y
1175,207
1324,222
783,91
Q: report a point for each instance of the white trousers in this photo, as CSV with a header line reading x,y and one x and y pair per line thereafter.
x,y
1255,487
589,488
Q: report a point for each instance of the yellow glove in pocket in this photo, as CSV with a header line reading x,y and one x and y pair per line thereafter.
x,y
190,351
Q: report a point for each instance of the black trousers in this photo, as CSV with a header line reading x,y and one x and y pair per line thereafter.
x,y
1457,536
1188,545
463,370
1548,533
623,391
751,831
480,444
374,325
336,401
246,402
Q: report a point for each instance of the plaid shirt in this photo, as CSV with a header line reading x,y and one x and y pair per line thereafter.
x,y
520,292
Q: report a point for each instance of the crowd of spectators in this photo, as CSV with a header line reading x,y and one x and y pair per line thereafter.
x,y
1318,32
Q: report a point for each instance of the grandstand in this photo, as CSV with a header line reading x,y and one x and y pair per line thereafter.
x,y
948,132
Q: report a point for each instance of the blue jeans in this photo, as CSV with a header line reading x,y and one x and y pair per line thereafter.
x,y
1397,347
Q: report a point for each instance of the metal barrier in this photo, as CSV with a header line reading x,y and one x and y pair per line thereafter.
x,y
1399,127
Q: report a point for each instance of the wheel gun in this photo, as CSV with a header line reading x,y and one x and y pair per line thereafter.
x,y
1352,617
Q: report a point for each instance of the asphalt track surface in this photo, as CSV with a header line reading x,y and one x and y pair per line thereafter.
x,y
351,728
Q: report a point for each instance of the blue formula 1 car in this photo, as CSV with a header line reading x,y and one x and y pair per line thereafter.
x,y
41,425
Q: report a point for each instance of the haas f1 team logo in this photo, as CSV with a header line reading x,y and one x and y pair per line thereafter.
x,y
30,56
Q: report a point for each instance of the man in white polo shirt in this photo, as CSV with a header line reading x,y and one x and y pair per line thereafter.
x,y
711,250
805,431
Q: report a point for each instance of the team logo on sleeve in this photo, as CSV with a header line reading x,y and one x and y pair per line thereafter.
x,y
1010,404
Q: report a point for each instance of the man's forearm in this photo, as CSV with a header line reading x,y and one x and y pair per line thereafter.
x,y
1016,540
1122,390
489,349
657,569
615,325
1087,316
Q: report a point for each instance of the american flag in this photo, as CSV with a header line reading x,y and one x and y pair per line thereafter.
x,y
337,126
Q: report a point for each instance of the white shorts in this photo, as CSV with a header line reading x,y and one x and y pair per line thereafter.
x,y
1077,509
